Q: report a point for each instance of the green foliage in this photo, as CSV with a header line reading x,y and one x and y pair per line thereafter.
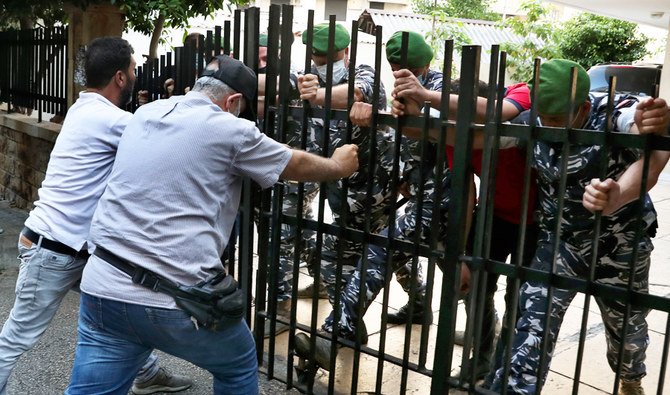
x,y
13,12
142,15
535,28
441,31
590,39
467,9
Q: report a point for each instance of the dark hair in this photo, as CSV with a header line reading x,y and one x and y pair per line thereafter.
x,y
482,88
104,57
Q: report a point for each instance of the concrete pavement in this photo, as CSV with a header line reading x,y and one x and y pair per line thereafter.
x,y
45,370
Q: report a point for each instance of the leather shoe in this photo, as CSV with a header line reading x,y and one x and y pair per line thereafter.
x,y
402,315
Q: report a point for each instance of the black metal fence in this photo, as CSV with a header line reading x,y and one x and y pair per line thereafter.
x,y
407,354
33,70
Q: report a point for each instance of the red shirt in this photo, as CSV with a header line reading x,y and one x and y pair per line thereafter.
x,y
507,197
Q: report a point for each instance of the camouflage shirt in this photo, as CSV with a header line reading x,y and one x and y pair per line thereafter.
x,y
363,80
411,148
583,165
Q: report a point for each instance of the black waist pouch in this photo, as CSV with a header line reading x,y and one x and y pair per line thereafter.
x,y
213,302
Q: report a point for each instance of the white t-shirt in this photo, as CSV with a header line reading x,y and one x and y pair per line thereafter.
x,y
79,166
173,195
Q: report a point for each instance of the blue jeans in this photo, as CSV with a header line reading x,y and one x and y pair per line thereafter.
x,y
115,338
45,277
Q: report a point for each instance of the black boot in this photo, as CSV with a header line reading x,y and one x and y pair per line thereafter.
x,y
322,348
402,315
321,351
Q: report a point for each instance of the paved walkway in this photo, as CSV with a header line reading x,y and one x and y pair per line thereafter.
x,y
46,369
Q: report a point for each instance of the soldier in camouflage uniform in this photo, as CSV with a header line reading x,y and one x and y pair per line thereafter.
x,y
312,88
619,225
406,225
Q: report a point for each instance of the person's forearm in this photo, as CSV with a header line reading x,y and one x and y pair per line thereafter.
x,y
435,99
478,138
480,108
304,166
339,97
630,181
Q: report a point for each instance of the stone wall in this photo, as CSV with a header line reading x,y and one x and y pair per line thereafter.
x,y
25,146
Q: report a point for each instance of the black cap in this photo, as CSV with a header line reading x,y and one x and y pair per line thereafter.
x,y
239,77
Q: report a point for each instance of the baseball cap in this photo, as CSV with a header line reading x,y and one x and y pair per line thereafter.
x,y
239,77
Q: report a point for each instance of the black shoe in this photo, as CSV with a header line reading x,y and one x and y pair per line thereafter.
x,y
364,334
321,351
402,316
308,292
481,370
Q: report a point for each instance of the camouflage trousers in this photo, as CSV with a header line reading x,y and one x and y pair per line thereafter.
x,y
615,253
288,235
359,206
377,263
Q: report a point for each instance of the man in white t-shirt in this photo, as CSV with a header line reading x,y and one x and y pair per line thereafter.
x,y
166,215
53,245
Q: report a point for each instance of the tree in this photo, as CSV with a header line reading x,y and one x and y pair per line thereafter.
x,y
152,16
467,9
590,39
445,30
538,40
22,14
149,16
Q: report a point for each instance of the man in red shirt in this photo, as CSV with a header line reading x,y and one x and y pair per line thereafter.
x,y
505,228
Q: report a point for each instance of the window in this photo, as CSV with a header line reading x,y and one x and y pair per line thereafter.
x,y
280,2
337,8
376,5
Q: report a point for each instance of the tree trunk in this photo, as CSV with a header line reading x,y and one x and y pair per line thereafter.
x,y
156,35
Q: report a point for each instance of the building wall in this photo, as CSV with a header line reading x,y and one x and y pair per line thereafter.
x,y
25,147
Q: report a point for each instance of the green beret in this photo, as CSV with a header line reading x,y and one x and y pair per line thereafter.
x,y
419,53
553,95
263,40
320,38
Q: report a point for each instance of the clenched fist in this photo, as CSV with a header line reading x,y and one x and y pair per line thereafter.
x,y
346,158
308,85
361,114
602,196
652,116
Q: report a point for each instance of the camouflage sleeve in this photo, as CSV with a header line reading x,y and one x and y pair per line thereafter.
x,y
623,117
365,81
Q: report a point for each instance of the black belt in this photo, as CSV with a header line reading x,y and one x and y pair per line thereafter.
x,y
53,245
141,276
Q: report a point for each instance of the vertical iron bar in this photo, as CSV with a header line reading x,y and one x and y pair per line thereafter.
x,y
395,174
321,203
268,264
236,34
639,234
226,37
459,192
440,170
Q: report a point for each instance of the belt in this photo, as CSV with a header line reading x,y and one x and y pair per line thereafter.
x,y
53,245
140,276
